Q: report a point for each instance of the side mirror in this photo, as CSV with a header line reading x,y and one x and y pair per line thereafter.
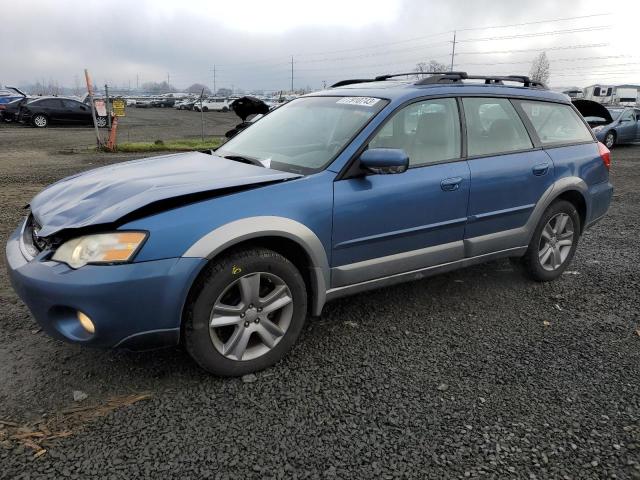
x,y
384,160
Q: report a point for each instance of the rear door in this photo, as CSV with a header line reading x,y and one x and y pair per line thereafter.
x,y
388,224
508,175
78,112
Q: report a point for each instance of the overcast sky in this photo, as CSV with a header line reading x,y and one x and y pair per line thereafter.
x,y
251,42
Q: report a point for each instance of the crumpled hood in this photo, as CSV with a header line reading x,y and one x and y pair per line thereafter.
x,y
106,194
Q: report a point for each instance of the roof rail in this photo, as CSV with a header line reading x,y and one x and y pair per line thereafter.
x,y
381,78
457,77
342,83
449,77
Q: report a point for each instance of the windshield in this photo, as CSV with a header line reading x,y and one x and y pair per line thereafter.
x,y
615,112
304,135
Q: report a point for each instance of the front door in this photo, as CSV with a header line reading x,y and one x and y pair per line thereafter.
x,y
394,223
627,127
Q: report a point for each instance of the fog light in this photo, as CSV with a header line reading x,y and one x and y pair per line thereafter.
x,y
86,323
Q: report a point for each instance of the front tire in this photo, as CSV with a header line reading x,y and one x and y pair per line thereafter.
x,y
246,311
101,122
40,121
610,139
554,242
205,109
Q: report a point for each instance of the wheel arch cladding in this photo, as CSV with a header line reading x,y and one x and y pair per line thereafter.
x,y
578,201
291,239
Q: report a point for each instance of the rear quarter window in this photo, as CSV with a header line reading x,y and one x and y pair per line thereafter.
x,y
556,123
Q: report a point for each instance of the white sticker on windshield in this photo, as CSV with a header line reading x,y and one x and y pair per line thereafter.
x,y
364,101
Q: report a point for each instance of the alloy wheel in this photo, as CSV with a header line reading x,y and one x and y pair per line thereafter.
x,y
251,316
40,121
609,140
556,241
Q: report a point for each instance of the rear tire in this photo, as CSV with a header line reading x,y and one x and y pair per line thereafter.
x,y
246,311
205,109
101,122
554,242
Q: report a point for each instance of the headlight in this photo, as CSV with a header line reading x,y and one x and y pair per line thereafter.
x,y
599,128
101,248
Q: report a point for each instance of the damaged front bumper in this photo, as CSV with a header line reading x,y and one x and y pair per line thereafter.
x,y
135,306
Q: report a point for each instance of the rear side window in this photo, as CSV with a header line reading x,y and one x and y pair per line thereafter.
x,y
556,123
493,126
428,132
51,103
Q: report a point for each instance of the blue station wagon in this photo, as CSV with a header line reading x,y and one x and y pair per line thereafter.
x,y
363,185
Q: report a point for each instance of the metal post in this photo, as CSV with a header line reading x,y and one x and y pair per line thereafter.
x,y
292,74
214,79
93,107
108,107
202,113
453,51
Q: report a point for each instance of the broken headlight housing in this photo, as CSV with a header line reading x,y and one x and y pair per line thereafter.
x,y
102,248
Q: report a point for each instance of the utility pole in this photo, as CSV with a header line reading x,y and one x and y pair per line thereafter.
x,y
137,81
292,74
168,79
106,101
214,79
453,50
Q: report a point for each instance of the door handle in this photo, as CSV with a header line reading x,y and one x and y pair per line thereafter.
x,y
451,184
540,169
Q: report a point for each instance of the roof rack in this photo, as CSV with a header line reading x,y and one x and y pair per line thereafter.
x,y
381,78
450,77
457,77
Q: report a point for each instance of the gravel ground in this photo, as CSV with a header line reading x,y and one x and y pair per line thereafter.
x,y
478,373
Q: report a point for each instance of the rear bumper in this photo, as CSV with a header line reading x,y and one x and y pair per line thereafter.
x,y
135,306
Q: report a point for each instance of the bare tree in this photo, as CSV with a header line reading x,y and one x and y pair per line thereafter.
x,y
156,88
197,88
431,66
540,68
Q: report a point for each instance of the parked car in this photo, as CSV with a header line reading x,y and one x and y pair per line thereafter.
x,y
164,102
43,111
331,194
130,102
217,104
612,125
9,95
10,112
143,103
185,104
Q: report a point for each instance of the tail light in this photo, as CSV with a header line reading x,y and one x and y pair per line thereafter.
x,y
605,155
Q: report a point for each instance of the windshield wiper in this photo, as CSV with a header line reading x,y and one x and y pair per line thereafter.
x,y
243,159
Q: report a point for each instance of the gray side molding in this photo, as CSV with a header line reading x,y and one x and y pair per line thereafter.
x,y
521,236
235,232
560,186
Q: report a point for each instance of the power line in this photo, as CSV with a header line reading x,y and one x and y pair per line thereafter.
x,y
413,39
536,22
537,34
568,47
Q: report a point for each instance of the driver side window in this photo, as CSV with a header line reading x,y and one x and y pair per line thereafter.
x,y
428,132
628,117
